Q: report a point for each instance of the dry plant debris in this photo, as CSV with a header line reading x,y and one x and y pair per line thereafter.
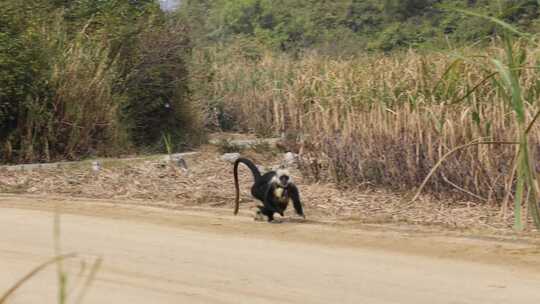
x,y
209,183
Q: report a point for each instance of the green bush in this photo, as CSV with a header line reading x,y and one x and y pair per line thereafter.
x,y
157,88
87,77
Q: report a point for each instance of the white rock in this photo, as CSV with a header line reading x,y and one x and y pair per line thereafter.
x,y
290,159
181,163
176,159
230,157
96,166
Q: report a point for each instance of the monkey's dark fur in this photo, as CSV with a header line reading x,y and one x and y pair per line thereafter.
x,y
274,189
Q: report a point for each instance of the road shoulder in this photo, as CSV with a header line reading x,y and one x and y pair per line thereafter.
x,y
503,251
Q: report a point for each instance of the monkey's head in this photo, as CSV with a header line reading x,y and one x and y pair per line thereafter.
x,y
282,178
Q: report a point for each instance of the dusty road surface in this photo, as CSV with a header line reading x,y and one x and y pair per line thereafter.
x,y
160,256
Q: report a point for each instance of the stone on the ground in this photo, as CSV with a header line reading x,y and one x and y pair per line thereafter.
x,y
176,159
181,163
96,166
230,157
290,159
246,143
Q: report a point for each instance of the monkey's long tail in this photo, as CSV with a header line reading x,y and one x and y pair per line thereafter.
x,y
256,176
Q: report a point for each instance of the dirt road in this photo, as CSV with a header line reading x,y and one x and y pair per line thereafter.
x,y
156,256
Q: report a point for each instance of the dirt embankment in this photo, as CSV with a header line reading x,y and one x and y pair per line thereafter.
x,y
208,183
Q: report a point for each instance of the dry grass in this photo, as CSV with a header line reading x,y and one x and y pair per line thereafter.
x,y
152,183
79,113
386,121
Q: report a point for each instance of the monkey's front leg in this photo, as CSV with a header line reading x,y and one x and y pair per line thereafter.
x,y
295,197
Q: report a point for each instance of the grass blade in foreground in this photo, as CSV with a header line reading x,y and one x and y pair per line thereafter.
x,y
31,274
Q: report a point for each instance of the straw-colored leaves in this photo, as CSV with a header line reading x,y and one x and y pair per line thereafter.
x,y
388,120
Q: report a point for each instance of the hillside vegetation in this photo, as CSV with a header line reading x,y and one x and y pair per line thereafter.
x,y
347,26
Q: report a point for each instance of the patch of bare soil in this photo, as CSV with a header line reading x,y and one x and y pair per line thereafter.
x,y
209,183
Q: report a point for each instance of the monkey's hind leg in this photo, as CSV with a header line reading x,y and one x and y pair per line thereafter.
x,y
266,212
259,217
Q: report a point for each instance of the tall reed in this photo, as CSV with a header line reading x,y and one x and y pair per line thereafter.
x,y
387,120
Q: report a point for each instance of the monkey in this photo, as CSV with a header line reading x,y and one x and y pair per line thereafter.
x,y
274,189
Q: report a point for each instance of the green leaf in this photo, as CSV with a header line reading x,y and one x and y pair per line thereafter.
x,y
503,24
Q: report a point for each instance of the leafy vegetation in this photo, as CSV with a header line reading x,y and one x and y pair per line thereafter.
x,y
91,78
345,26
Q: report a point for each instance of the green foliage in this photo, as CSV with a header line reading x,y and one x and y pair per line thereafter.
x,y
294,25
156,87
90,77
21,62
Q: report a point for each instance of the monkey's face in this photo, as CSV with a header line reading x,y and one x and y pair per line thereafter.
x,y
282,178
